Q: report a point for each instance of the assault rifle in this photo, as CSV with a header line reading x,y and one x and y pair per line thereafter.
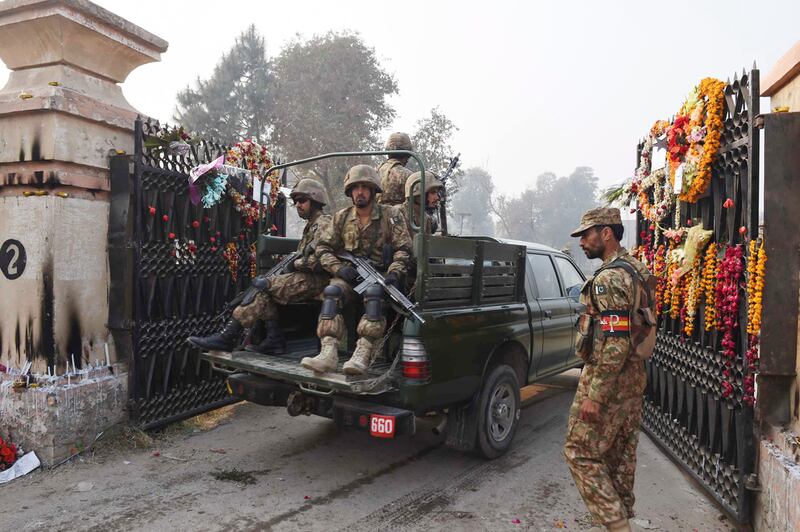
x,y
281,264
259,282
370,276
443,201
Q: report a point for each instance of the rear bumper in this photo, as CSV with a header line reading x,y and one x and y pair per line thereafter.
x,y
345,411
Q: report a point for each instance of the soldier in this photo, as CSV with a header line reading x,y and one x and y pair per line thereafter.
x,y
603,428
302,280
433,189
369,230
393,172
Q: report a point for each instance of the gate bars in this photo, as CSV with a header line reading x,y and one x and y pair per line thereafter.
x,y
685,411
169,292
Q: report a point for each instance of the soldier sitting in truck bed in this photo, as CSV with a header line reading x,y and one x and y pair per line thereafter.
x,y
369,230
433,189
302,280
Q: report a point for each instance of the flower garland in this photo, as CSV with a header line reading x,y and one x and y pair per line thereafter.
x,y
231,255
693,139
692,299
252,156
253,261
660,270
645,180
756,265
727,302
708,286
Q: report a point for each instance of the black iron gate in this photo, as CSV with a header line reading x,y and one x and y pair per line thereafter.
x,y
687,410
184,263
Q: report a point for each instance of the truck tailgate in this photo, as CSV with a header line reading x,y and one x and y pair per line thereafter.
x,y
287,368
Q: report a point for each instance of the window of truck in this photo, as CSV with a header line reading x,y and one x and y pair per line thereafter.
x,y
570,276
544,275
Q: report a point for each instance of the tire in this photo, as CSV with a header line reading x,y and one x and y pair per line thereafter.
x,y
498,411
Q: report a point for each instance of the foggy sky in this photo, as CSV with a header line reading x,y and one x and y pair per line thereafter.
x,y
533,86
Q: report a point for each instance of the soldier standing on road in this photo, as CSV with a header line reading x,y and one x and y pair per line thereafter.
x,y
603,428
393,172
302,280
369,230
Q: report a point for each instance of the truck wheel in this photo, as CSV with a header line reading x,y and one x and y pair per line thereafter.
x,y
498,411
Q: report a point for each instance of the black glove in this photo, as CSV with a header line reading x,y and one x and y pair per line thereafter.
x,y
392,280
347,273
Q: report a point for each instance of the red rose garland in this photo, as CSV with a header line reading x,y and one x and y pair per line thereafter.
x,y
727,303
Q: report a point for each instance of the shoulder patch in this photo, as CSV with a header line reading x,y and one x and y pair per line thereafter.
x,y
600,289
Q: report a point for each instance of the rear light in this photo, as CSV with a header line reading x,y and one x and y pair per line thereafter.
x,y
415,361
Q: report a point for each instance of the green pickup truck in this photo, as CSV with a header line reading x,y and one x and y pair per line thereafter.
x,y
493,316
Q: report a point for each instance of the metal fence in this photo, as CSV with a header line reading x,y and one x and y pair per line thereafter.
x,y
707,431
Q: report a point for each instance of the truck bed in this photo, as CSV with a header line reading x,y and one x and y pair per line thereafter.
x,y
287,368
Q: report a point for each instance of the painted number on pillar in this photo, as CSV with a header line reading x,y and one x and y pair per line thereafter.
x,y
12,258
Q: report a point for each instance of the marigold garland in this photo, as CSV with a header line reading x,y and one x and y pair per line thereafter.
x,y
756,265
709,286
714,91
231,255
692,300
660,270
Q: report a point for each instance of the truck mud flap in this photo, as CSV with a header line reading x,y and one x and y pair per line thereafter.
x,y
359,415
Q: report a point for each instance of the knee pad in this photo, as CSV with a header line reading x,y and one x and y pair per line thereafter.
x,y
331,297
373,302
257,285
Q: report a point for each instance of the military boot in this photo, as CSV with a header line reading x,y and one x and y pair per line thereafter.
x,y
328,358
274,343
361,359
225,340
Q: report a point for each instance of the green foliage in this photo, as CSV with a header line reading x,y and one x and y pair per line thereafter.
x,y
548,212
236,101
431,141
330,95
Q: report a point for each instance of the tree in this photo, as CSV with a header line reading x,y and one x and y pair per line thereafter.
x,y
472,204
236,101
330,95
547,212
431,141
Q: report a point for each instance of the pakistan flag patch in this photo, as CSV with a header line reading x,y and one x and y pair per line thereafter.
x,y
600,289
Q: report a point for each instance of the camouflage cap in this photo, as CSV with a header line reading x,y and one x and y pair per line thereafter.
x,y
598,216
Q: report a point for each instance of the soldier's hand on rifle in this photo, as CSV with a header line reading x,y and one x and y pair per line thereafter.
x,y
347,273
290,266
392,280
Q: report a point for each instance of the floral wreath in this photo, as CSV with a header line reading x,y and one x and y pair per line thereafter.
x,y
693,139
646,180
254,157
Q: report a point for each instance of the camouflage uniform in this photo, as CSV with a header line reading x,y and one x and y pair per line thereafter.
x,y
386,227
393,175
602,455
304,284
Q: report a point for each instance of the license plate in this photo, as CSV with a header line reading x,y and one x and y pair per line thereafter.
x,y
381,426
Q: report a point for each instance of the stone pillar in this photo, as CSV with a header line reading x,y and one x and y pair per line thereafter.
x,y
62,113
777,504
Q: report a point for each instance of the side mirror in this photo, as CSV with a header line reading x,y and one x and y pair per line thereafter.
x,y
574,292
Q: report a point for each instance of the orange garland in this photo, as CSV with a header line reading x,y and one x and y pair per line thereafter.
x,y
714,90
692,300
708,286
756,266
